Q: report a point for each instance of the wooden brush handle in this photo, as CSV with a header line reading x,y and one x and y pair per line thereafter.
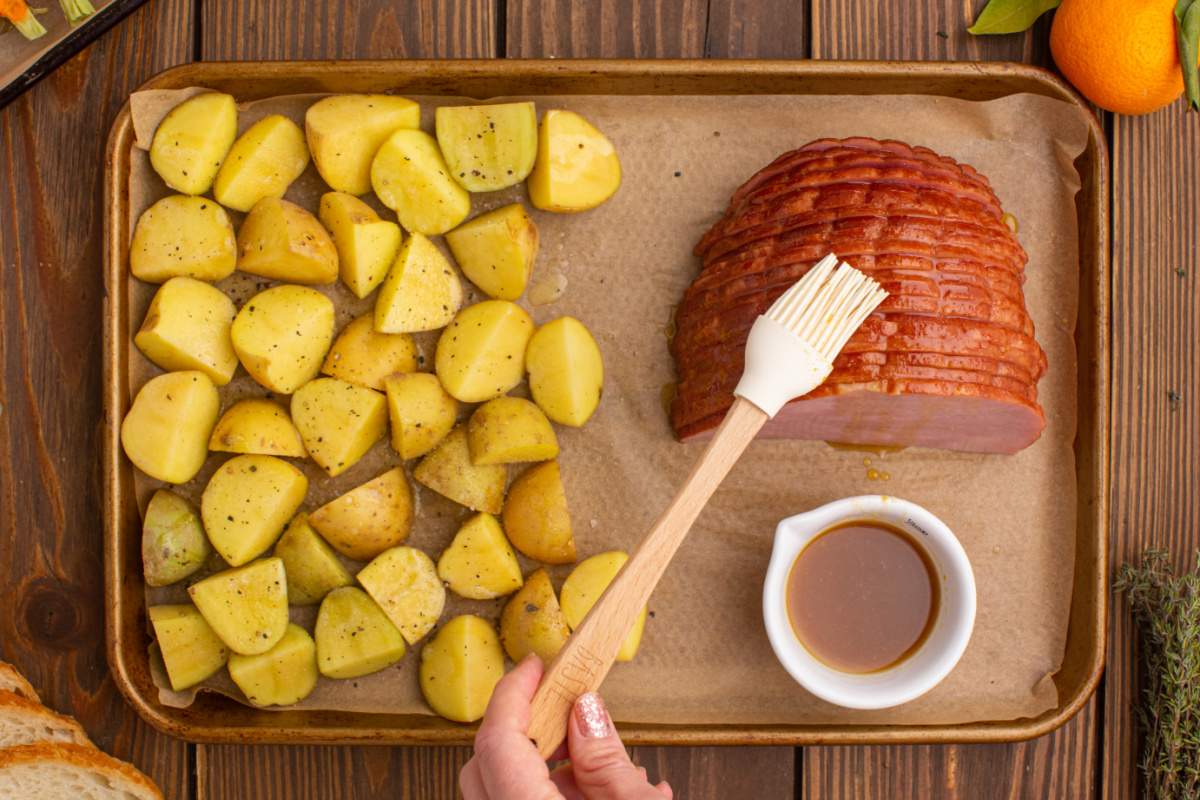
x,y
585,659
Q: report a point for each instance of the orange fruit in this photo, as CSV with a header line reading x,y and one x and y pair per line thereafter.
x,y
1120,54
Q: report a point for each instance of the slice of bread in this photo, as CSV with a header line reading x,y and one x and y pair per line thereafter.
x,y
13,681
24,721
49,771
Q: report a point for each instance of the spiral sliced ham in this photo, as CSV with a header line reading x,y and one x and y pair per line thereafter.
x,y
948,361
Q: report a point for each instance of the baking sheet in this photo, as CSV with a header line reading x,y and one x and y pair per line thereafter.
x,y
705,657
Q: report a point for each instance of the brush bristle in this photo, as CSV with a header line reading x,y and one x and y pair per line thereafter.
x,y
827,305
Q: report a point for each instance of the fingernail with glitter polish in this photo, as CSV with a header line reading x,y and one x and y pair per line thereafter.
x,y
593,717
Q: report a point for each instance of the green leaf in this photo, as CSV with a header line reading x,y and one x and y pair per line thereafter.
x,y
1187,31
1011,16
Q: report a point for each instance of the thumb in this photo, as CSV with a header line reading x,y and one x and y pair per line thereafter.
x,y
599,762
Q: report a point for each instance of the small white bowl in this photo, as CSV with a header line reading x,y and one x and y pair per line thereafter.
x,y
922,670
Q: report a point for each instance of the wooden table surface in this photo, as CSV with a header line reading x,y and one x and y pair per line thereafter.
x,y
51,618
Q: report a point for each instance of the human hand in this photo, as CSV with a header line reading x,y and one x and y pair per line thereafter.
x,y
506,764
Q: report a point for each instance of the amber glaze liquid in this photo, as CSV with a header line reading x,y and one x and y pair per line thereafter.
x,y
862,596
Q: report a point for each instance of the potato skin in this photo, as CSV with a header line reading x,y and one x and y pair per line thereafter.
x,y
449,472
338,421
354,636
508,430
577,167
536,518
421,292
346,130
362,356
405,584
281,336
532,621
257,426
583,588
285,674
165,434
312,568
246,606
263,162
190,650
488,147
479,563
182,236
247,503
366,245
368,519
566,371
187,327
481,354
420,411
191,142
174,545
496,250
282,241
460,668
410,177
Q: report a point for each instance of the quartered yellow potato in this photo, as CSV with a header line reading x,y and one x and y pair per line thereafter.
x,y
282,334
346,130
536,517
183,236
368,519
532,622
282,241
449,472
285,674
354,636
247,606
313,569
577,167
360,355
173,542
481,354
496,250
508,430
366,245
460,667
338,422
583,588
263,162
191,651
187,327
410,177
422,291
190,143
257,426
480,563
566,371
405,584
420,411
488,147
165,434
247,502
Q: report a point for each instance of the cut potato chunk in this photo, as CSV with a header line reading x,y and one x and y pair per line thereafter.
x,y
480,563
247,503
421,413
346,130
354,636
369,518
282,241
257,426
449,472
338,422
577,167
191,142
366,245
536,517
263,162
181,236
496,251
405,584
460,667
165,434
247,606
362,356
410,177
508,430
191,651
422,291
285,674
583,588
566,371
532,622
313,569
187,327
282,334
173,542
488,147
481,354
